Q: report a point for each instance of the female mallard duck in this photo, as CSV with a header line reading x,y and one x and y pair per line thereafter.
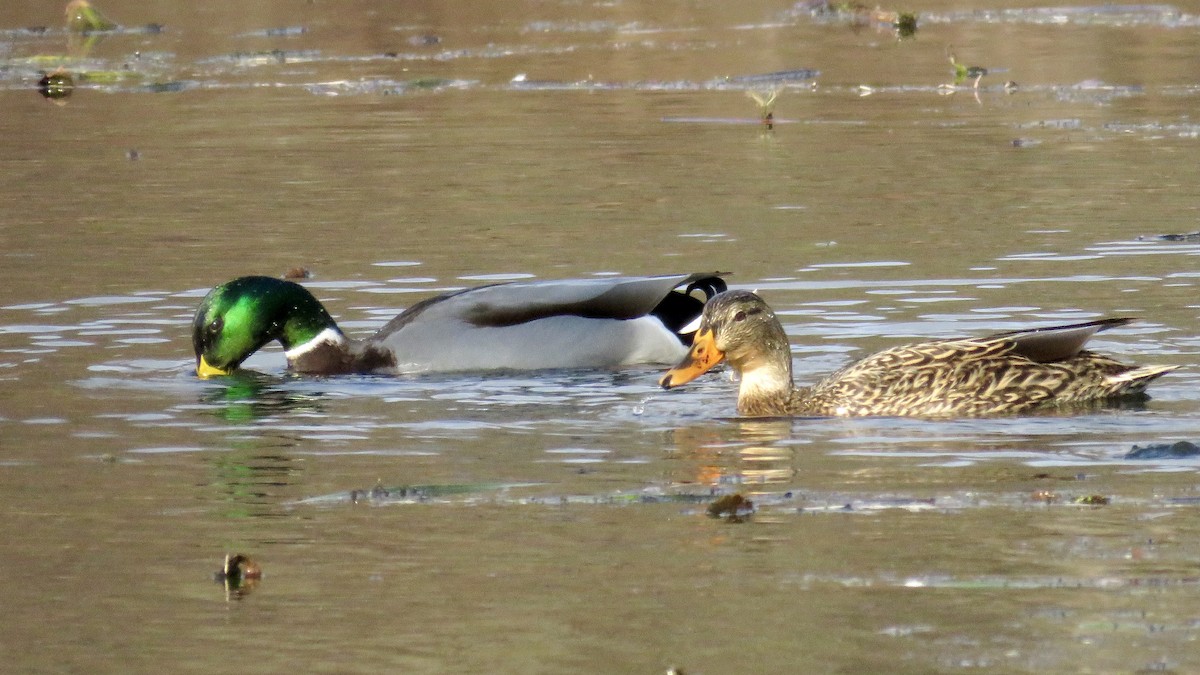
x,y
592,323
1005,373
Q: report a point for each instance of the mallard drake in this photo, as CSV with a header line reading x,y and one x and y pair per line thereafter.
x,y
1005,373
578,323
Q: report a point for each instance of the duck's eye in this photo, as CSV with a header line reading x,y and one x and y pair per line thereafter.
x,y
740,316
214,328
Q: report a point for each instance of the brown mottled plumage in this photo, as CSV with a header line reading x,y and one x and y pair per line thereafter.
x,y
1005,373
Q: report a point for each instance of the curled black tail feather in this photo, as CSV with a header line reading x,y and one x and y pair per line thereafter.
x,y
680,308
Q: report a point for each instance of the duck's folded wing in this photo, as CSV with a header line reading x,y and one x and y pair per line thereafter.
x,y
1055,343
520,302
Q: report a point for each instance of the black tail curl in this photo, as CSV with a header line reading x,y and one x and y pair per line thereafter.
x,y
680,308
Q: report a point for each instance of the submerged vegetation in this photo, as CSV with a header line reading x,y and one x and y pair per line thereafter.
x,y
82,17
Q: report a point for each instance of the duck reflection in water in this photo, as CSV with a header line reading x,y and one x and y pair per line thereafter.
x,y
251,474
747,457
248,396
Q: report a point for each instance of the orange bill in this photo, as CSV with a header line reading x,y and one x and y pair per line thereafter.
x,y
699,360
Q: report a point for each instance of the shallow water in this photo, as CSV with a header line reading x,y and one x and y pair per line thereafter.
x,y
557,521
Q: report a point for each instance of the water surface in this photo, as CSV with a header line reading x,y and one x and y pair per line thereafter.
x,y
557,521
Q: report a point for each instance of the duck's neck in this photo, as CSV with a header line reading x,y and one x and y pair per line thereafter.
x,y
330,352
766,378
762,386
325,351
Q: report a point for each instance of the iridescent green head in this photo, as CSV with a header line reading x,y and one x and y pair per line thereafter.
x,y
238,317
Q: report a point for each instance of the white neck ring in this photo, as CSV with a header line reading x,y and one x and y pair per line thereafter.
x,y
327,336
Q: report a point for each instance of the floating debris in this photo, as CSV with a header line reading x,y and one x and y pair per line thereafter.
x,y
385,87
1156,129
297,273
56,86
1067,124
1120,15
857,15
1049,476
240,575
963,73
265,57
1091,500
734,508
777,77
905,24
428,83
426,40
280,31
1187,236
1095,92
1045,496
408,494
285,31
1179,450
167,87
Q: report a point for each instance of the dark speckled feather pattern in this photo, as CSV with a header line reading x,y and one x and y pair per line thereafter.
x,y
998,374
962,378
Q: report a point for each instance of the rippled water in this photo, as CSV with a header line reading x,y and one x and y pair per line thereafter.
x,y
558,521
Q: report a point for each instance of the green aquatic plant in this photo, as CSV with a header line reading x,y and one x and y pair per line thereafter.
x,y
962,73
82,17
766,105
428,82
108,77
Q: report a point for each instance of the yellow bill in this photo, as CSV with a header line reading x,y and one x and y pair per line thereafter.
x,y
203,369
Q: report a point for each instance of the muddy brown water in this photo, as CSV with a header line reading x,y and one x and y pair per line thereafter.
x,y
555,522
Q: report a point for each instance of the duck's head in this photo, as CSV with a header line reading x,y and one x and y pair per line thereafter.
x,y
739,328
238,317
